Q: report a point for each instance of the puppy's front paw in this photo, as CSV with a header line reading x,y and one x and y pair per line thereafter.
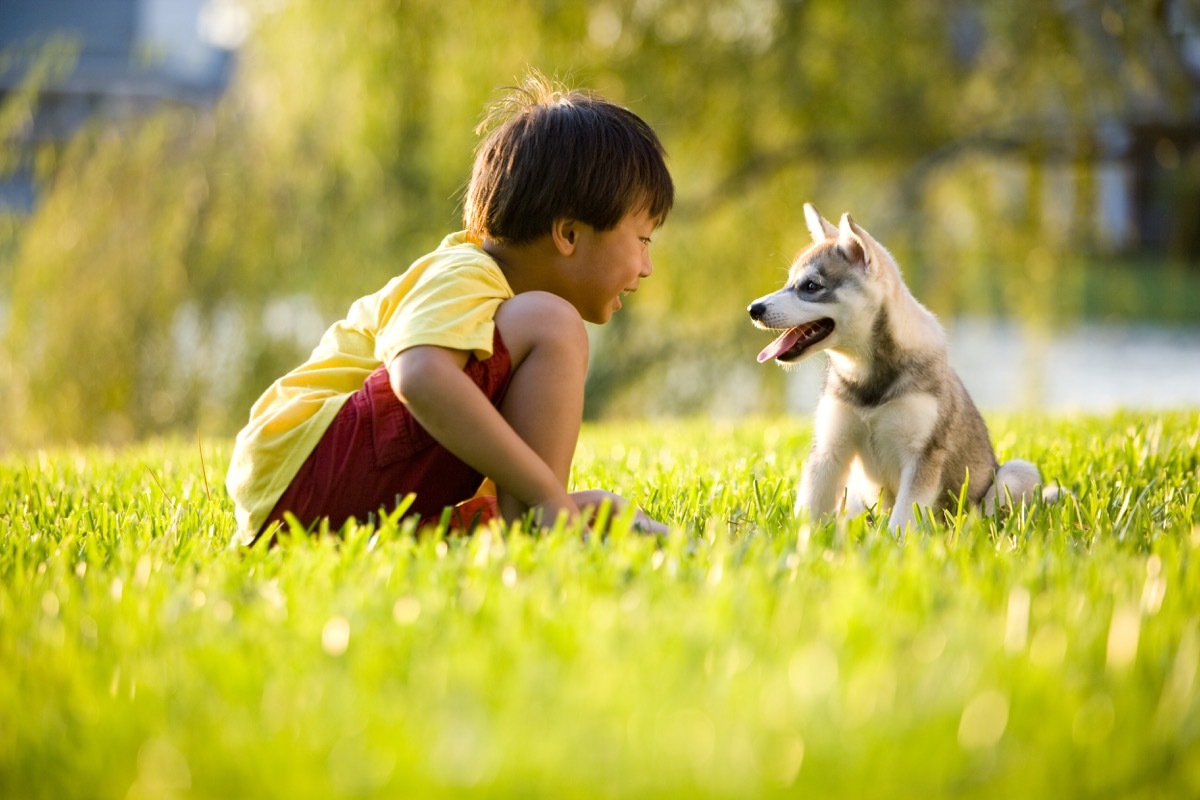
x,y
900,520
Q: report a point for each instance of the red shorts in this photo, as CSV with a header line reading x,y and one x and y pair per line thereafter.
x,y
374,454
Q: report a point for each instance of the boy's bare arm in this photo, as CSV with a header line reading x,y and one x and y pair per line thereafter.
x,y
431,382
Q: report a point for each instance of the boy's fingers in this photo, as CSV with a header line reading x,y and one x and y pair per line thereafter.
x,y
644,524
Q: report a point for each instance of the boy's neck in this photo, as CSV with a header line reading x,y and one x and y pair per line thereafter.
x,y
527,267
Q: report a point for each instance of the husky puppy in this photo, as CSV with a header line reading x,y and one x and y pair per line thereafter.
x,y
893,411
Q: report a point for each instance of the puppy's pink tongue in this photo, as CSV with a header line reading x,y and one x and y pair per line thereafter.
x,y
785,342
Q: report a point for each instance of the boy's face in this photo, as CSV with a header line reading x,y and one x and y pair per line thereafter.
x,y
607,264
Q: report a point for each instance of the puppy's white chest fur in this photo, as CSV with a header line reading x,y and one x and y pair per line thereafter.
x,y
894,435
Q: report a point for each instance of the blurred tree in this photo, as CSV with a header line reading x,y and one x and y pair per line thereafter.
x,y
178,263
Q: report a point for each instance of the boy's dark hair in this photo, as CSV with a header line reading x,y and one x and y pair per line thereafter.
x,y
562,153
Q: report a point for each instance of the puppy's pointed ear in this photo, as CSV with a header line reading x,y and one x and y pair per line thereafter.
x,y
852,243
819,228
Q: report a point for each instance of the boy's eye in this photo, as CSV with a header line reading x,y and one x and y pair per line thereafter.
x,y
646,240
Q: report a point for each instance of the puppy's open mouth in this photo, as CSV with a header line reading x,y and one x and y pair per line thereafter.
x,y
792,343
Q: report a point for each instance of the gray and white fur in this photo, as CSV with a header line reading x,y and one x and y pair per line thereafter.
x,y
894,422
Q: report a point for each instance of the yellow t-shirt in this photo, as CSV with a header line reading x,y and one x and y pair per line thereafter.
x,y
447,298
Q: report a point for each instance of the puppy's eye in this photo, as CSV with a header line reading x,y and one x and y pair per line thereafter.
x,y
810,287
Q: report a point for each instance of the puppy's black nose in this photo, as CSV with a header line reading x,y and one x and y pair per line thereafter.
x,y
757,309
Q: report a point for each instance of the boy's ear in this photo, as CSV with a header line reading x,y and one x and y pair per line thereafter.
x,y
564,231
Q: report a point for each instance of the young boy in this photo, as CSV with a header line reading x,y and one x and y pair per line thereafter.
x,y
472,362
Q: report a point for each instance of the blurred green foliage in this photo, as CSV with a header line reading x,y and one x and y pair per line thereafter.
x,y
179,262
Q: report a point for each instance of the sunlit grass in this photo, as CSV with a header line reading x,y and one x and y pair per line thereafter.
x,y
1054,653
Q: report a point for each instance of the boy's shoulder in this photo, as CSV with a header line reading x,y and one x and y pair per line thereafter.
x,y
464,242
457,251
459,258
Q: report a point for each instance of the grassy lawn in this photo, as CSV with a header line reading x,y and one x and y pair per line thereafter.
x,y
1054,654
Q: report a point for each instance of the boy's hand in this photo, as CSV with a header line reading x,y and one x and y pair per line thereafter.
x,y
589,501
644,524
546,513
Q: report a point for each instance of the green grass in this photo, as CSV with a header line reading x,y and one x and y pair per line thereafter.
x,y
1054,654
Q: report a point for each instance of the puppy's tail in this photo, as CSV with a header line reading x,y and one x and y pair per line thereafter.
x,y
1015,483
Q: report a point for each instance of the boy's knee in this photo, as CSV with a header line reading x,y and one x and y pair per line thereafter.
x,y
542,320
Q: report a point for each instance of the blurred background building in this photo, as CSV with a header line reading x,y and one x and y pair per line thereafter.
x,y
118,57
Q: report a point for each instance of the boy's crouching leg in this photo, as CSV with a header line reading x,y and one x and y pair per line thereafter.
x,y
548,344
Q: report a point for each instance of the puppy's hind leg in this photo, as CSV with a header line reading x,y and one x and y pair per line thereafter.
x,y
1016,479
